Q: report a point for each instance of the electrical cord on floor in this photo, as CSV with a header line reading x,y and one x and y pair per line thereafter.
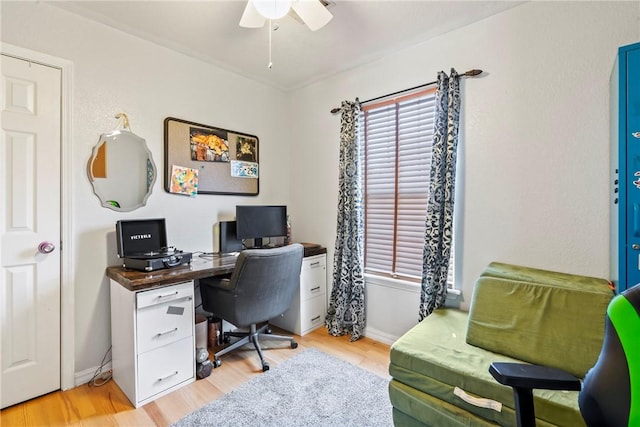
x,y
101,378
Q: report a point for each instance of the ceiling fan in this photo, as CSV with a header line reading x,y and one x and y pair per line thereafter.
x,y
312,12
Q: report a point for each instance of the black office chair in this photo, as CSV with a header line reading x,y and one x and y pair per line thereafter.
x,y
260,288
608,388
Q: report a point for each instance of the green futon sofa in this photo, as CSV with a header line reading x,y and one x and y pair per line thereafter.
x,y
439,368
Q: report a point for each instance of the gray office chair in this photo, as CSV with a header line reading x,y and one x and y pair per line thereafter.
x,y
260,288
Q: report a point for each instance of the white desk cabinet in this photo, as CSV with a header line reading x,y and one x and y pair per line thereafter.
x,y
309,306
153,339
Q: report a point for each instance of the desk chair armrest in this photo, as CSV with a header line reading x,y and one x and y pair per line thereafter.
x,y
215,282
523,378
522,375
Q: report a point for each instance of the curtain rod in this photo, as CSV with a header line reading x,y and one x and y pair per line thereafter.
x,y
470,73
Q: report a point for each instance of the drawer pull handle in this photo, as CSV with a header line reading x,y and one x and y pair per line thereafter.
x,y
168,376
313,264
159,334
173,294
317,288
315,318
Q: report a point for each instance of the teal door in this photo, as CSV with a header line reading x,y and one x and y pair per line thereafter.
x,y
629,150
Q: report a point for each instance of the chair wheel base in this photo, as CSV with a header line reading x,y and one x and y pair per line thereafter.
x,y
294,344
265,367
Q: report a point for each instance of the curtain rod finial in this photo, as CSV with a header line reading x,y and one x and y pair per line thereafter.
x,y
472,73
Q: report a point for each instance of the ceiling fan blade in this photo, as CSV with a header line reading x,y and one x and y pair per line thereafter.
x,y
312,12
251,18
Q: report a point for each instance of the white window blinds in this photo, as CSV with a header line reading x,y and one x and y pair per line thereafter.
x,y
397,138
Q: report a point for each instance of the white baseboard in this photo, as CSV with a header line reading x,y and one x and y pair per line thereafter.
x,y
85,376
379,336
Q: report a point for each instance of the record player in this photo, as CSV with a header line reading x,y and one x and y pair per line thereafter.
x,y
142,245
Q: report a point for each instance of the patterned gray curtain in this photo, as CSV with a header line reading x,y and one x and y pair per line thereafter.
x,y
346,306
439,221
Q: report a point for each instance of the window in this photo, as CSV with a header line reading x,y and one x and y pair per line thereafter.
x,y
396,137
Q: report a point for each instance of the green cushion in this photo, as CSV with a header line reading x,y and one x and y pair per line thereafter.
x,y
552,278
432,358
539,316
400,419
414,408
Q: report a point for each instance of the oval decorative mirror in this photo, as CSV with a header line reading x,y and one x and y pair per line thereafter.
x,y
121,170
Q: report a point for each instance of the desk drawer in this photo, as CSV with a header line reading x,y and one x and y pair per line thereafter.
x,y
302,318
165,367
312,314
164,294
313,277
164,323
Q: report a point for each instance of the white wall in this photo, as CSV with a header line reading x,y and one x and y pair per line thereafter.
x,y
113,73
535,142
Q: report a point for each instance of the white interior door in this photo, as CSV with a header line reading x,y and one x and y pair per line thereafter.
x,y
30,138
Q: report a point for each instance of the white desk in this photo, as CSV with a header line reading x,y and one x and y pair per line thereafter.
x,y
153,324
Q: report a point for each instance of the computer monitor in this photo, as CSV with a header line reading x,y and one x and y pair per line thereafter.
x,y
259,221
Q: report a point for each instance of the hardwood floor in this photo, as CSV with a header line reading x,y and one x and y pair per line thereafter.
x,y
108,406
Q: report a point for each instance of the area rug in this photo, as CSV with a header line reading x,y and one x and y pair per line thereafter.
x,y
309,389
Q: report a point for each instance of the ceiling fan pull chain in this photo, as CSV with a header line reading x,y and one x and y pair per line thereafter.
x,y
269,29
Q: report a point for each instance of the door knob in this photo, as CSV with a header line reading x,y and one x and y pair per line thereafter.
x,y
46,247
635,247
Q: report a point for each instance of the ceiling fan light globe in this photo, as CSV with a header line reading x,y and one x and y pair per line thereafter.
x,y
272,9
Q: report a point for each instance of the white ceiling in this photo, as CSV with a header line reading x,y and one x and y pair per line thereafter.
x,y
360,31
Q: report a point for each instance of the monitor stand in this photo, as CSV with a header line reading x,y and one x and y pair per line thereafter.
x,y
258,244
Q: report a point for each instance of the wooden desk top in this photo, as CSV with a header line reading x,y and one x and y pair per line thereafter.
x,y
216,265
199,268
311,249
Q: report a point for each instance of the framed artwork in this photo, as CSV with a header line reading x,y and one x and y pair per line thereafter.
x,y
214,160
